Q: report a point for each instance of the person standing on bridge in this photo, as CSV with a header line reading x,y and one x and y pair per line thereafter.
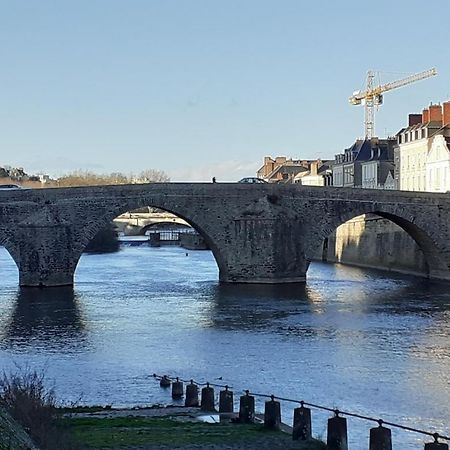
x,y
213,179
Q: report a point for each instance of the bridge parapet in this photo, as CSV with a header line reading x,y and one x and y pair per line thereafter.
x,y
257,233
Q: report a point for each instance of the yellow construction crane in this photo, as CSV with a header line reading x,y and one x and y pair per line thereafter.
x,y
373,95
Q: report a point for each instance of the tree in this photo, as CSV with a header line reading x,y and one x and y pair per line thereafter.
x,y
153,176
87,178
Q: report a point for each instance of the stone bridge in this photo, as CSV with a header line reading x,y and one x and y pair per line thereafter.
x,y
264,233
138,223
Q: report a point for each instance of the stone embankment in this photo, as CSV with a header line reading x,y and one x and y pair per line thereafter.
x,y
12,435
373,242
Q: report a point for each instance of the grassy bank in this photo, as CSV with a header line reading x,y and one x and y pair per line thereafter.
x,y
174,431
27,405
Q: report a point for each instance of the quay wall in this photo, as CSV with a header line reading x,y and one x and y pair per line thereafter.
x,y
373,242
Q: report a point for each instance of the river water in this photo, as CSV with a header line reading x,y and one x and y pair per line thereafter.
x,y
364,341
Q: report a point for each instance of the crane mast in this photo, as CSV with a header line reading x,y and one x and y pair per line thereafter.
x,y
373,95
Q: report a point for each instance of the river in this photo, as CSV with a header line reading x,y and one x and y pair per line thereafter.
x,y
365,341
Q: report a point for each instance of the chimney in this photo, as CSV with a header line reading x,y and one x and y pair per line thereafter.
x,y
425,116
446,114
435,113
414,119
313,168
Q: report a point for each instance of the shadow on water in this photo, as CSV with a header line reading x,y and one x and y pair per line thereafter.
x,y
248,306
323,308
49,318
415,297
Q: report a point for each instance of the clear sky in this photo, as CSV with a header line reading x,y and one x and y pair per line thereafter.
x,y
205,87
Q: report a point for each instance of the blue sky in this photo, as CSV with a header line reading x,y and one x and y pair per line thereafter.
x,y
205,87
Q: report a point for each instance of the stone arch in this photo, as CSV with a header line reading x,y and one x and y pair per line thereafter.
x,y
93,227
409,220
11,248
148,227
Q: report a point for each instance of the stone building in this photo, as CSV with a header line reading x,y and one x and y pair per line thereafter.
x,y
300,171
423,151
438,165
319,174
368,163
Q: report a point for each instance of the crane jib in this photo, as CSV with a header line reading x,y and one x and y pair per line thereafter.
x,y
372,96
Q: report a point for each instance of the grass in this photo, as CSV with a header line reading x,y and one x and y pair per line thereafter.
x,y
114,433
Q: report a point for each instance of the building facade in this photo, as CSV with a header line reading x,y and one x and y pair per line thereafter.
x,y
438,165
423,151
299,171
368,163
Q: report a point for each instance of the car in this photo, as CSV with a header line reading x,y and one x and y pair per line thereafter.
x,y
9,187
252,180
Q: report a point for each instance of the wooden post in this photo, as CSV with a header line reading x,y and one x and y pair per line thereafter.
x,y
272,414
165,381
191,395
301,428
380,438
177,389
247,408
226,401
436,445
207,402
337,433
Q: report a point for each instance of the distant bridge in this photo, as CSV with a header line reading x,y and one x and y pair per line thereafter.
x,y
264,233
132,223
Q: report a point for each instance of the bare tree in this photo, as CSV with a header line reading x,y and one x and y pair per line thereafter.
x,y
153,176
87,178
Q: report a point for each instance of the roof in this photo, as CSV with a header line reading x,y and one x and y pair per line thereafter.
x,y
362,149
289,169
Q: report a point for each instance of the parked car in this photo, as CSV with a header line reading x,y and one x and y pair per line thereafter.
x,y
9,187
252,180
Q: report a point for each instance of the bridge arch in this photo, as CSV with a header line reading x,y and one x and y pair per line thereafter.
x,y
162,224
415,225
10,262
88,233
11,248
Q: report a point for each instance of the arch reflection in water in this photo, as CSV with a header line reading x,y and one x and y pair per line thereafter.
x,y
50,319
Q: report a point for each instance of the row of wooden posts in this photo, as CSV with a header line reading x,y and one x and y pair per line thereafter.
x,y
379,438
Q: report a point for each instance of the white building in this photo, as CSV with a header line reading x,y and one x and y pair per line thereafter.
x,y
438,165
319,175
423,151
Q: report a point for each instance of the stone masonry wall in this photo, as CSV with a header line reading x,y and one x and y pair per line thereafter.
x,y
264,233
371,241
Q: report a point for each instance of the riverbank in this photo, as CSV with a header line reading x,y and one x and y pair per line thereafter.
x,y
172,427
12,435
370,241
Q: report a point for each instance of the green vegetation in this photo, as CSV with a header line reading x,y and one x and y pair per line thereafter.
x,y
25,400
120,432
29,402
